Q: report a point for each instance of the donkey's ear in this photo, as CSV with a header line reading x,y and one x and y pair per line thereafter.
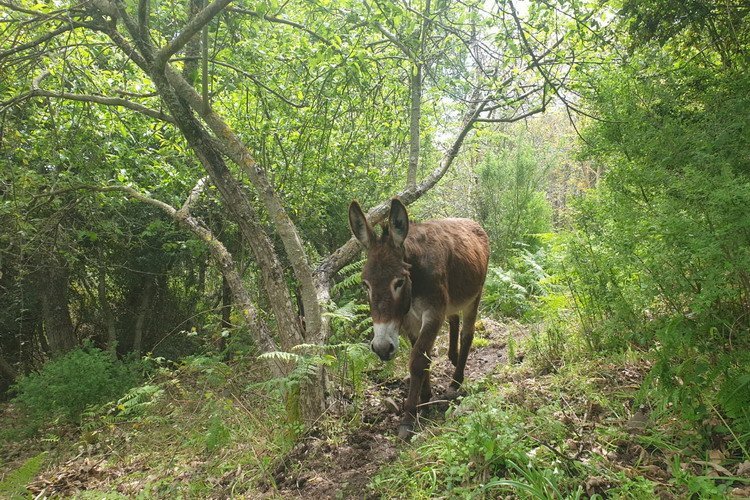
x,y
398,221
361,229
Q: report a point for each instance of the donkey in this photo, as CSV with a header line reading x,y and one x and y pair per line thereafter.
x,y
416,276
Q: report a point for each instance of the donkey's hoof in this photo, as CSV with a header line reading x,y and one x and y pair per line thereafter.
x,y
453,393
405,431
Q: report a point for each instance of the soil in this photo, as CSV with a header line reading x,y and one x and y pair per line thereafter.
x,y
318,468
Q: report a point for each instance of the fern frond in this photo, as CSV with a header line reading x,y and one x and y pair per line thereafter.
x,y
281,356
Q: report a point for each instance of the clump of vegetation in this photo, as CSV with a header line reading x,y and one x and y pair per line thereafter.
x,y
64,387
513,290
659,253
482,451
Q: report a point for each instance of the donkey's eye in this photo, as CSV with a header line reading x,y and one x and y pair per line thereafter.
x,y
398,284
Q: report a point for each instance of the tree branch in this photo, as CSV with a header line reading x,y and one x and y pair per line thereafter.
x,y
38,41
36,91
194,194
280,20
192,28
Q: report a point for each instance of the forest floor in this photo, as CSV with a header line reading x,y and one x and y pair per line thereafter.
x,y
317,469
212,434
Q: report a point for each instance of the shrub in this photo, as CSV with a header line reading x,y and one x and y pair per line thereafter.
x,y
511,290
659,252
66,386
510,201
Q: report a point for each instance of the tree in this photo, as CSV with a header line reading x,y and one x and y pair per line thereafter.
x,y
113,54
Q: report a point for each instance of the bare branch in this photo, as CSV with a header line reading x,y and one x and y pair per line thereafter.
x,y
395,41
514,118
259,83
280,20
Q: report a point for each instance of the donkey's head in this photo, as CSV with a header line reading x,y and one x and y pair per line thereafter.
x,y
385,276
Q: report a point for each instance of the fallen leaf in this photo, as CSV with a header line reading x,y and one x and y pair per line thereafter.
x,y
743,469
716,467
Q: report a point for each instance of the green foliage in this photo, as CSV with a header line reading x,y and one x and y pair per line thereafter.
x,y
137,400
697,486
510,203
13,485
482,453
64,387
636,487
659,253
512,291
217,435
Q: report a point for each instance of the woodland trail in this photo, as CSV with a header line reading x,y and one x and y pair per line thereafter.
x,y
320,468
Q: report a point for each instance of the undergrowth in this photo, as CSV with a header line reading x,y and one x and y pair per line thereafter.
x,y
567,434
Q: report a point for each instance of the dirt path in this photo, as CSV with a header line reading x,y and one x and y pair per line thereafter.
x,y
318,468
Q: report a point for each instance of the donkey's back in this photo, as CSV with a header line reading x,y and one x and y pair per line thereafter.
x,y
448,257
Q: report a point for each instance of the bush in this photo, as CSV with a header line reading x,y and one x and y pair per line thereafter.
x,y
66,386
510,201
510,291
659,252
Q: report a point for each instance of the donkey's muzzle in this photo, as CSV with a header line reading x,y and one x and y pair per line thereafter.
x,y
385,350
385,340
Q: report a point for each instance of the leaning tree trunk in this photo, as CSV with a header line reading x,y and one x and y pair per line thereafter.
x,y
211,138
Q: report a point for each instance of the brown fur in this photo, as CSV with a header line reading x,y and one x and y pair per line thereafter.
x,y
443,265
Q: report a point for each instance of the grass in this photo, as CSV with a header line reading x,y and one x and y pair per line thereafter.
x,y
209,428
563,434
533,429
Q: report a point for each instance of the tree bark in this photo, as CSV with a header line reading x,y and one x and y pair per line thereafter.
x,y
109,317
7,370
415,114
226,312
52,285
147,295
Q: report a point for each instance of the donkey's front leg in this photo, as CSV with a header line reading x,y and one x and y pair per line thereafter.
x,y
419,365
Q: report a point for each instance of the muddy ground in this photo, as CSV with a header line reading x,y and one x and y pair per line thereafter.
x,y
318,469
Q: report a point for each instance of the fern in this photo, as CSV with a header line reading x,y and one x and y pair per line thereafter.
x,y
288,357
352,276
135,402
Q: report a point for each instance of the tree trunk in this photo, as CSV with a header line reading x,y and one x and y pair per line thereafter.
x,y
52,285
415,114
7,370
109,317
147,294
226,312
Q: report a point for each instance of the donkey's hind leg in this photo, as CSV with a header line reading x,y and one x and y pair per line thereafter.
x,y
467,337
453,345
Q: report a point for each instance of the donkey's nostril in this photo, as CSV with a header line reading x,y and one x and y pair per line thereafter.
x,y
391,349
